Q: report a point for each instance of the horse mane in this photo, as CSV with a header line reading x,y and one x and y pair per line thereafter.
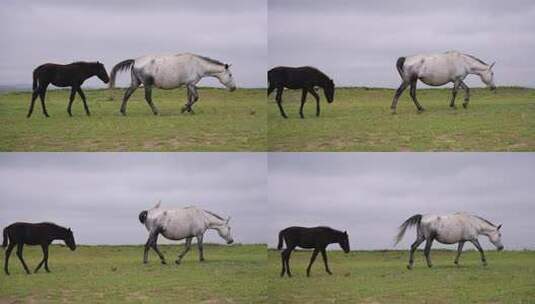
x,y
55,225
214,215
320,72
476,59
332,229
484,220
209,59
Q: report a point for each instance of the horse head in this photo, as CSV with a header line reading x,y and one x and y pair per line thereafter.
x,y
495,237
69,239
226,79
328,89
344,242
101,73
224,231
487,76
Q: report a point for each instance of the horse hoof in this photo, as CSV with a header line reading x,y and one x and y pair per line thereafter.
x,y
164,263
177,262
430,265
409,267
465,105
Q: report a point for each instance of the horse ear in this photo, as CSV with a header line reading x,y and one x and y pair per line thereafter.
x,y
345,232
492,65
228,220
227,66
499,226
70,229
158,204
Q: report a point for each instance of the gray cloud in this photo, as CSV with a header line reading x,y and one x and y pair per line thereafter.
x,y
371,194
35,32
357,43
101,194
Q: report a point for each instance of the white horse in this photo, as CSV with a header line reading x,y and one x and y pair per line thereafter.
x,y
439,69
450,229
181,223
169,72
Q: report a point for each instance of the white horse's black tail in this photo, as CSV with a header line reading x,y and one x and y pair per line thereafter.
x,y
411,221
279,246
143,216
4,243
399,65
120,67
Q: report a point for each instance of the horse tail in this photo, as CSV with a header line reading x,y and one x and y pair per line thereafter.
x,y
281,236
120,67
411,221
143,216
35,78
4,243
399,65
271,87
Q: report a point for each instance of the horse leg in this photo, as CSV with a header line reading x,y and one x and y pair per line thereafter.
x,y
148,98
459,251
42,96
7,254
154,246
288,255
270,89
414,246
200,246
283,262
45,257
456,85
303,100
466,94
187,246
476,243
149,244
279,101
413,95
427,251
19,254
82,95
71,99
317,97
32,103
312,259
399,91
324,255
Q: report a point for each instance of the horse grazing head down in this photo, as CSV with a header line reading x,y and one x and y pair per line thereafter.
x,y
224,231
226,79
487,76
344,242
328,89
69,240
495,237
101,72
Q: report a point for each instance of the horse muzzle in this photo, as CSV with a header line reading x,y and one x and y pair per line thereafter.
x,y
230,242
500,248
232,89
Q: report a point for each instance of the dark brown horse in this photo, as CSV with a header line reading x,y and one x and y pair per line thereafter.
x,y
305,78
69,75
316,237
43,234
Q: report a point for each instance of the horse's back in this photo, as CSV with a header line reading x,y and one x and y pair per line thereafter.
x,y
295,77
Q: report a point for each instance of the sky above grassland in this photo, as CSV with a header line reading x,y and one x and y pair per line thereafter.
x,y
34,32
100,195
371,194
357,42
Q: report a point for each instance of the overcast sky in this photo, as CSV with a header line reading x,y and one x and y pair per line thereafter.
x,y
357,42
100,195
35,32
371,194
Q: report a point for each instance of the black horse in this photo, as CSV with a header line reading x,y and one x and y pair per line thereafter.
x,y
34,234
305,78
317,237
69,75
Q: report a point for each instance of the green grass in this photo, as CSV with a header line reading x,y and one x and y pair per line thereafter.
x,y
360,120
382,277
116,274
224,121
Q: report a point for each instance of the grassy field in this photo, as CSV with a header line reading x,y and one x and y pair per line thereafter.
x,y
381,277
224,121
116,274
360,120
